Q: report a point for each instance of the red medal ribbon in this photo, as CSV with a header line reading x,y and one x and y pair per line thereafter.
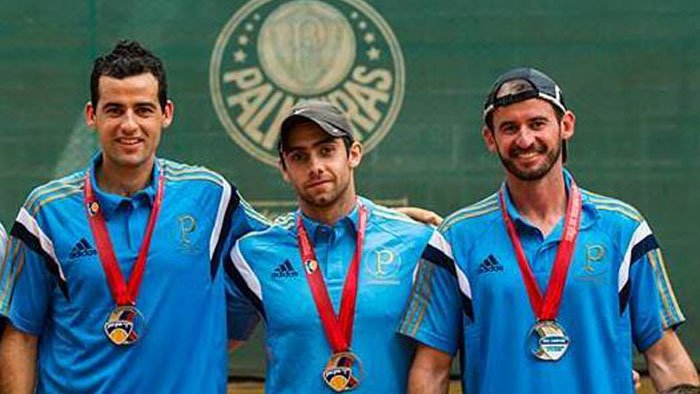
x,y
122,292
547,307
338,328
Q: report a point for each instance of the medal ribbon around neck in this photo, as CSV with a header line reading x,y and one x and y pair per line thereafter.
x,y
547,307
122,292
338,328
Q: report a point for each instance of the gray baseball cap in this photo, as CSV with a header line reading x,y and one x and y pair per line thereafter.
x,y
520,84
327,116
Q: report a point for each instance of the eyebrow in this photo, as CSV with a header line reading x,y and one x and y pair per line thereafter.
x,y
328,139
139,104
510,122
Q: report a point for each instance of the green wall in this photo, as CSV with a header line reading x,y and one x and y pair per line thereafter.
x,y
629,69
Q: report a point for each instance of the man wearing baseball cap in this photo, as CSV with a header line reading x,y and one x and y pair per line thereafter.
x,y
543,286
331,279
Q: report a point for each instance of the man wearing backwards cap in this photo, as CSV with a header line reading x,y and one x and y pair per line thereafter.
x,y
525,320
331,279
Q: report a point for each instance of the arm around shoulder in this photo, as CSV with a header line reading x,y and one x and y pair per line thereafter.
x,y
18,351
669,364
430,371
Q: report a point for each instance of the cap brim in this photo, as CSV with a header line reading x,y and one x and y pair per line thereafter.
x,y
294,120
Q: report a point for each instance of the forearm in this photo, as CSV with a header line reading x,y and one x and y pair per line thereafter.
x,y
669,364
428,381
430,371
18,360
672,372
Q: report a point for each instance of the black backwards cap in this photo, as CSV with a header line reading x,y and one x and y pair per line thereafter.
x,y
520,84
327,116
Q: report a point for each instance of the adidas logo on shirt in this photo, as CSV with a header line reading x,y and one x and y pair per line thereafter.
x,y
82,249
285,270
489,265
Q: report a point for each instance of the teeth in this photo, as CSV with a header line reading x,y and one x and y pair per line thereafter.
x,y
528,155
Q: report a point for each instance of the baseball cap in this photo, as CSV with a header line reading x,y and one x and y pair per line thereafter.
x,y
520,84
327,116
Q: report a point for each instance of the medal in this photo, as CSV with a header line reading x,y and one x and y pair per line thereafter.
x,y
125,324
547,339
343,371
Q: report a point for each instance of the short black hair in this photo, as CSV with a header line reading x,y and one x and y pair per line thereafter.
x,y
127,59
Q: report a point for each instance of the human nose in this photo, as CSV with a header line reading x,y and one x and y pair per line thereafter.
x,y
315,166
526,137
129,123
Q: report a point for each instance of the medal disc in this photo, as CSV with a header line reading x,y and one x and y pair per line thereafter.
x,y
548,341
343,371
125,325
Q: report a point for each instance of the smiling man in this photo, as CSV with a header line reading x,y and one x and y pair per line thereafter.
x,y
331,279
112,285
544,286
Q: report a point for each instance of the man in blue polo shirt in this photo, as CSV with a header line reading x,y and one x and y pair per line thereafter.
x,y
113,285
331,279
543,286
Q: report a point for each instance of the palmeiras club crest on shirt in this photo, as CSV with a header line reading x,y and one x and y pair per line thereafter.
x,y
272,54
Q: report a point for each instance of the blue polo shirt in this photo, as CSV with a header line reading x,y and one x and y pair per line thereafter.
x,y
470,294
54,286
267,276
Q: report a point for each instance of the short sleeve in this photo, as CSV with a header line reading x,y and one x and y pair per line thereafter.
x,y
652,303
27,282
243,297
439,298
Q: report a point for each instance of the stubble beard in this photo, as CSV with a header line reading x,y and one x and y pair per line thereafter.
x,y
324,200
536,173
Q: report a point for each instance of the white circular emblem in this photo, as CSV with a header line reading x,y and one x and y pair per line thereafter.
x,y
272,54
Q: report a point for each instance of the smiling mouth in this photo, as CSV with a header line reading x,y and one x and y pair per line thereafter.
x,y
528,155
129,141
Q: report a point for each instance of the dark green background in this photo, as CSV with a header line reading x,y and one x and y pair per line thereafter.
x,y
629,69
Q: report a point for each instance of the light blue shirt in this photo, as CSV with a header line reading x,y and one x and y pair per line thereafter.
x,y
267,277
471,296
55,287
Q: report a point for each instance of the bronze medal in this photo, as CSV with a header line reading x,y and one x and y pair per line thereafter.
x,y
125,325
343,372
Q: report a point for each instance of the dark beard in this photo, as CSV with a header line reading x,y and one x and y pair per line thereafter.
x,y
325,202
535,173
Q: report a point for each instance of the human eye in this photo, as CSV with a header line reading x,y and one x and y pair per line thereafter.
x,y
327,150
297,157
144,111
538,124
508,128
112,110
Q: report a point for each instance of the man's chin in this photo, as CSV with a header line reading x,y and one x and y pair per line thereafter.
x,y
319,200
528,174
130,161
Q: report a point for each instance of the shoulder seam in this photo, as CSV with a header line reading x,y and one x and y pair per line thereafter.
x,y
54,186
466,214
385,213
200,176
611,204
